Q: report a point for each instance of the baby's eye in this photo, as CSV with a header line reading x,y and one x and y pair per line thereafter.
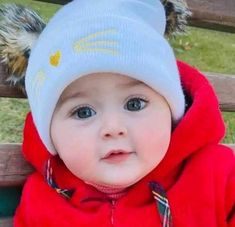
x,y
83,112
135,104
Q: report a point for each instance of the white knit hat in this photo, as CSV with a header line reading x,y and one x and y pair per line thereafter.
x,y
90,36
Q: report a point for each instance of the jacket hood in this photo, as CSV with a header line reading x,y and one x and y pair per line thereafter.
x,y
201,125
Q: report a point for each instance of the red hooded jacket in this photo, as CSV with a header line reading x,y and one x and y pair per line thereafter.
x,y
197,173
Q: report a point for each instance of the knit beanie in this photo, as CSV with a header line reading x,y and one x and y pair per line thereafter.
x,y
90,36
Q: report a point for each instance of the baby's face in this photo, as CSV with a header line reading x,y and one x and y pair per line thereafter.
x,y
110,129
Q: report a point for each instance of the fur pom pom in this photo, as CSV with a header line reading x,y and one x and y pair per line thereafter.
x,y
177,12
19,29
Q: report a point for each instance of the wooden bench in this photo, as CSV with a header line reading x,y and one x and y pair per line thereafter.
x,y
214,14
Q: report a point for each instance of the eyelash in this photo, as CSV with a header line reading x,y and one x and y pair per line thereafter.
x,y
140,97
74,111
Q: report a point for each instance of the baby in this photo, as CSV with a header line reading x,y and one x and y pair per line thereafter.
x,y
120,133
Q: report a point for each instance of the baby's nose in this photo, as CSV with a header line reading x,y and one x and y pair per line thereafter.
x,y
113,134
113,129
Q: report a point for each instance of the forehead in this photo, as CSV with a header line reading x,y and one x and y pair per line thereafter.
x,y
99,78
101,81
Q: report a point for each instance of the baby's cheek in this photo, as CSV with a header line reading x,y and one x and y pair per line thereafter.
x,y
79,163
74,165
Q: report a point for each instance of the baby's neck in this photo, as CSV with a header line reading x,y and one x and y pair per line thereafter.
x,y
111,192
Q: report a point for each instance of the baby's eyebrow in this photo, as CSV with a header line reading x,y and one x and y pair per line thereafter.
x,y
71,96
132,83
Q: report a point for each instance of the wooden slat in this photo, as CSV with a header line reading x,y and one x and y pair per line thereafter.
x,y
223,84
5,89
213,14
11,92
232,146
225,89
61,2
6,222
13,167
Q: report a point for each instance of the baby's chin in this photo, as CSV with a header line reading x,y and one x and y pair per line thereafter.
x,y
118,177
114,183
114,188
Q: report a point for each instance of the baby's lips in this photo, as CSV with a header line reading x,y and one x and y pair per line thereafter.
x,y
116,151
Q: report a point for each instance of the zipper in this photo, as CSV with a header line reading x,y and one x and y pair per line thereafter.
x,y
113,204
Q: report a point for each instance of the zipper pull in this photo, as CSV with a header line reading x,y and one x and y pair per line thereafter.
x,y
113,203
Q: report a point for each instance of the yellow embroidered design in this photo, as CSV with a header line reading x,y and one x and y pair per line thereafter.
x,y
38,82
87,44
55,58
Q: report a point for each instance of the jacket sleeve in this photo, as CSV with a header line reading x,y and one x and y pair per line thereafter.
x,y
230,195
18,219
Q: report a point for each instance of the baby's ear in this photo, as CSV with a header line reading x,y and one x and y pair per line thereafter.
x,y
177,13
19,30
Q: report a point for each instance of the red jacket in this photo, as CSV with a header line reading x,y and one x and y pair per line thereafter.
x,y
197,173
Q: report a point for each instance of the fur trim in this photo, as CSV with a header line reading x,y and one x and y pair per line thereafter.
x,y
177,13
19,29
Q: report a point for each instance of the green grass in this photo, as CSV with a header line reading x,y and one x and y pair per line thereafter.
x,y
12,114
229,119
207,50
210,51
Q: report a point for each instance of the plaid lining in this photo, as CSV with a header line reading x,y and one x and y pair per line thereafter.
x,y
49,178
158,194
162,204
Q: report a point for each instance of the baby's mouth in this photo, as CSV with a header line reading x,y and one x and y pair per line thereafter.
x,y
116,156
